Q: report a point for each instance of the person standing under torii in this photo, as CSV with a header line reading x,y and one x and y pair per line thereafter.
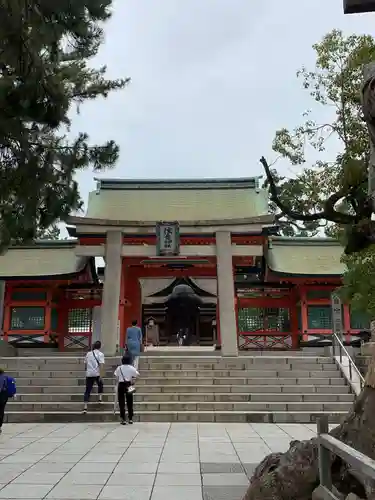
x,y
133,342
152,333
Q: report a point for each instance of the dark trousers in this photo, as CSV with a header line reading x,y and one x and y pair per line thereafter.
x,y
90,381
122,396
3,403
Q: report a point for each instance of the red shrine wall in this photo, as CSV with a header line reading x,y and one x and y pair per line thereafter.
x,y
28,312
39,311
42,310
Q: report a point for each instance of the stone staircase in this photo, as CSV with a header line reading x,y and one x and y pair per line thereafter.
x,y
256,388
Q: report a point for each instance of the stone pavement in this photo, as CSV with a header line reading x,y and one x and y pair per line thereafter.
x,y
145,461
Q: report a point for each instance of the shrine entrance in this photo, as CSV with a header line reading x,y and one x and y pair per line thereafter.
x,y
182,306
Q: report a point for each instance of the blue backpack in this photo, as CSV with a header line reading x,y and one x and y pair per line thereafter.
x,y
11,387
8,385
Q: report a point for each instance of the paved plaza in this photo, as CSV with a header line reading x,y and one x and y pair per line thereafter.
x,y
141,462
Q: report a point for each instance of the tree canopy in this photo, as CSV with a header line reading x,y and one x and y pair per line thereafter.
x,y
51,233
330,149
330,193
46,48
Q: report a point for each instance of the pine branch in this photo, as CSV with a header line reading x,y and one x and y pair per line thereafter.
x,y
328,213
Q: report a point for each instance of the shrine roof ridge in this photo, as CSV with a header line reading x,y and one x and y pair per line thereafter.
x,y
183,184
261,219
44,259
302,241
305,257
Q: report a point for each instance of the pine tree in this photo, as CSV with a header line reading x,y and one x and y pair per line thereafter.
x,y
328,189
45,48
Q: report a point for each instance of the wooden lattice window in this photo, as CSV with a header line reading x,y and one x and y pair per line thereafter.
x,y
319,317
253,319
250,319
80,320
27,318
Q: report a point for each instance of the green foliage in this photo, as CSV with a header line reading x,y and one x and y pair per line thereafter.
x,y
359,281
51,233
46,47
330,185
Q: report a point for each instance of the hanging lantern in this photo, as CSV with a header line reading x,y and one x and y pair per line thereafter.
x,y
358,6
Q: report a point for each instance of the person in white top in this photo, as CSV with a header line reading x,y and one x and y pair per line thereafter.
x,y
125,373
94,365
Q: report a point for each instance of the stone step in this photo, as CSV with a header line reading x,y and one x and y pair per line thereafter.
x,y
336,379
247,368
79,365
175,406
227,361
250,362
281,417
79,368
23,374
204,352
194,397
246,381
258,388
176,366
268,370
192,352
175,389
241,373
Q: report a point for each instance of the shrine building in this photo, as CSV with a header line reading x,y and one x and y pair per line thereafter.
x,y
212,238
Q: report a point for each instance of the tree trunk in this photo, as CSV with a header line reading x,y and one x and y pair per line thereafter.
x,y
294,475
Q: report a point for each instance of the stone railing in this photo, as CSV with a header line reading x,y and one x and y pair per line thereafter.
x,y
362,362
328,445
347,366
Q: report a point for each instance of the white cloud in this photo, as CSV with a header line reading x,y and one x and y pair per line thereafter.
x,y
212,81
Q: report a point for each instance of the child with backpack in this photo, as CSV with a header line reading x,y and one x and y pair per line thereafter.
x,y
7,390
124,374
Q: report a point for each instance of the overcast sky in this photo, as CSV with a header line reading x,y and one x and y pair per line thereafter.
x,y
212,80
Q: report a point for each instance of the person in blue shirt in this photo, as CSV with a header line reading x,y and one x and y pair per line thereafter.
x,y
7,390
133,342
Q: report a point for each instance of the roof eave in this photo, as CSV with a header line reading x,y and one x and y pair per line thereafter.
x,y
87,221
56,277
185,184
285,241
305,275
82,263
44,244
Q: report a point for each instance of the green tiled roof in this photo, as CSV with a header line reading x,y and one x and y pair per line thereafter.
x,y
177,200
41,259
305,256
